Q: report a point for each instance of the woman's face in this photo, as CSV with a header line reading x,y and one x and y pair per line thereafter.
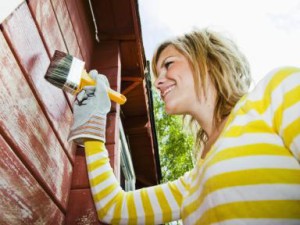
x,y
176,83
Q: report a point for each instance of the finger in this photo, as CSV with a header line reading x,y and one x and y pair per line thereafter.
x,y
90,90
94,74
83,99
101,90
80,95
103,79
100,83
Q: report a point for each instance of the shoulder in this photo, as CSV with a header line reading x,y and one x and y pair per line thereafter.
x,y
276,81
269,94
277,76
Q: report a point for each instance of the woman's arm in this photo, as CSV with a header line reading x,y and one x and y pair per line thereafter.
x,y
153,205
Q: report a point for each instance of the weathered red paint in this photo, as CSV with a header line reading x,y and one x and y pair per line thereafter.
x,y
62,14
81,208
45,19
82,28
34,61
23,123
22,199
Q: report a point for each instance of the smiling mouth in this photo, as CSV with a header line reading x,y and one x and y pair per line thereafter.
x,y
163,94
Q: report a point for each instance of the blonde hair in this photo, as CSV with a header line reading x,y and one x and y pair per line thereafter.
x,y
213,54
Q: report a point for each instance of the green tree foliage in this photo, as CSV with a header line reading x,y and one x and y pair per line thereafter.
x,y
175,145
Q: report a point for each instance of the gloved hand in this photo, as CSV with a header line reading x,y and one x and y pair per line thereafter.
x,y
90,109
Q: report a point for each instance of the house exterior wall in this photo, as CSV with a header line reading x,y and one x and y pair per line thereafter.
x,y
37,163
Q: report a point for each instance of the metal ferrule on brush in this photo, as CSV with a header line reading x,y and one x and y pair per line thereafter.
x,y
74,77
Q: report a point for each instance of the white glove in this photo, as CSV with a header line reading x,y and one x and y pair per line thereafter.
x,y
90,109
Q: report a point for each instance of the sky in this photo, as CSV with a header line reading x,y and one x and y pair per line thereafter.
x,y
267,31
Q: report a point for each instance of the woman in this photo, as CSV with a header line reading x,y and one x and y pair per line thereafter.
x,y
248,168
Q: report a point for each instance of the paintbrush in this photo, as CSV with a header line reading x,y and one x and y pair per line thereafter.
x,y
67,73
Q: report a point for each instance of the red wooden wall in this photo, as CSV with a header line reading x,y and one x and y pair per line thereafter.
x,y
37,162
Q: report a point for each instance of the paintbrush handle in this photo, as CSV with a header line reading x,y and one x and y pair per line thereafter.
x,y
115,96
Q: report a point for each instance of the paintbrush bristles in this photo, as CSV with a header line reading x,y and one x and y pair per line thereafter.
x,y
59,68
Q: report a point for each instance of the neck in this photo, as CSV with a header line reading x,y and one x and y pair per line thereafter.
x,y
213,136
205,118
206,123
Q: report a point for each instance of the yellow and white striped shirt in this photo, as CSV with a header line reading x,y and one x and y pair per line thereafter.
x,y
250,176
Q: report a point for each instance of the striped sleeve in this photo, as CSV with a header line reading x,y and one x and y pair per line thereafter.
x,y
153,205
285,104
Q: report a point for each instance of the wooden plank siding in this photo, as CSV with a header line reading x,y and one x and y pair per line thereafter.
x,y
47,23
27,130
22,199
33,59
66,27
80,16
37,163
45,19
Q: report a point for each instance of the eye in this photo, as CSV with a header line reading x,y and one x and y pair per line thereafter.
x,y
168,64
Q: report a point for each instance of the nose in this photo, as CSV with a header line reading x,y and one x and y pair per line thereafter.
x,y
160,80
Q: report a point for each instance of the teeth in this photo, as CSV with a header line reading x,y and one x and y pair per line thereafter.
x,y
167,90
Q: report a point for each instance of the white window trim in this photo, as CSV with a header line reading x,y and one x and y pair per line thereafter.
x,y
126,161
